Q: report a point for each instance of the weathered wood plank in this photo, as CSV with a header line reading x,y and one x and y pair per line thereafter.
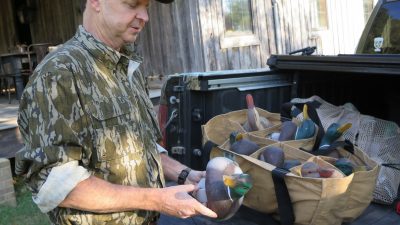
x,y
8,35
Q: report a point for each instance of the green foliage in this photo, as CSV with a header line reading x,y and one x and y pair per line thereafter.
x,y
26,211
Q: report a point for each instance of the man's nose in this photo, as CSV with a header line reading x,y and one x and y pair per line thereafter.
x,y
143,14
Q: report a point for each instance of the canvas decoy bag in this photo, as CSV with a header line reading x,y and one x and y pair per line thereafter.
x,y
278,192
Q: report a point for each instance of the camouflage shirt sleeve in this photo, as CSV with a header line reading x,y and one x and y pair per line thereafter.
x,y
52,125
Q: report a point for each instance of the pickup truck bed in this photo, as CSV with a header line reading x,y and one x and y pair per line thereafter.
x,y
375,214
368,82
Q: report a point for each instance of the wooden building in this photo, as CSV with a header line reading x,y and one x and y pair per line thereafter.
x,y
204,35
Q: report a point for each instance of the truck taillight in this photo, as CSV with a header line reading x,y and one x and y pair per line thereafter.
x,y
162,120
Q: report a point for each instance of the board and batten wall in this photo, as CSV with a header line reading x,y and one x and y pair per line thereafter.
x,y
186,36
7,28
55,21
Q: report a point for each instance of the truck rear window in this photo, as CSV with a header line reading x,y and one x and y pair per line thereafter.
x,y
383,34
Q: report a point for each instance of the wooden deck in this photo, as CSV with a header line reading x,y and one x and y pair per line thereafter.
x,y
10,138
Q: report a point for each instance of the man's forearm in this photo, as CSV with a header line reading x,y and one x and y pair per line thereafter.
x,y
96,195
171,167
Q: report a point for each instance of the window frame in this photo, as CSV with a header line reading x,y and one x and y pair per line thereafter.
x,y
315,17
227,41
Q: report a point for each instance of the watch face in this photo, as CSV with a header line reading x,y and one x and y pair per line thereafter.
x,y
183,175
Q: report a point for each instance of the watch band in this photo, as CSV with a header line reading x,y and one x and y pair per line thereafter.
x,y
183,175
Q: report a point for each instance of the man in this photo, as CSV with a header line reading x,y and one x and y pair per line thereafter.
x,y
90,133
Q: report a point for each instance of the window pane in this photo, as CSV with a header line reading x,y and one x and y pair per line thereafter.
x,y
237,15
319,15
383,36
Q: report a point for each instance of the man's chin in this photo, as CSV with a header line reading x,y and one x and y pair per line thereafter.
x,y
130,39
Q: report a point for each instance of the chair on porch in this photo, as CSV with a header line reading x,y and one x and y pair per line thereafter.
x,y
7,80
40,51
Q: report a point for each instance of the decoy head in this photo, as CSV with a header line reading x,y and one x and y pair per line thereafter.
x,y
235,136
306,128
238,184
250,101
335,130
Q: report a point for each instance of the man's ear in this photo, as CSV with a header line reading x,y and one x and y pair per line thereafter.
x,y
94,4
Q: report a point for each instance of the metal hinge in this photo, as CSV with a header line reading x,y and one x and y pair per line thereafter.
x,y
178,88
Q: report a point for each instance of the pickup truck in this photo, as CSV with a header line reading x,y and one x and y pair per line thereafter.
x,y
368,79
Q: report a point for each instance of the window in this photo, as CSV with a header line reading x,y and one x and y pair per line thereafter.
x,y
382,35
237,16
319,17
238,24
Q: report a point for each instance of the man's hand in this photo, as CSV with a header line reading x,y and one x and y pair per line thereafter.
x,y
175,201
195,176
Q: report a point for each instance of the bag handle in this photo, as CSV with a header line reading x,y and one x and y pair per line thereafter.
x,y
285,207
395,166
205,155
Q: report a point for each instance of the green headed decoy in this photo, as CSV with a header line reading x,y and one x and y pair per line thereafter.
x,y
254,120
241,145
273,155
333,132
225,187
345,165
306,128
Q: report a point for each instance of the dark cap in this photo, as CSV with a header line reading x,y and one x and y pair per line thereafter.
x,y
165,1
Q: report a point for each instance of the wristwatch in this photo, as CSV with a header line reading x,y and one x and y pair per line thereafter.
x,y
183,175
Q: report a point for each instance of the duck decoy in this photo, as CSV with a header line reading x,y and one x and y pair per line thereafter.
x,y
288,131
345,165
325,172
306,128
333,132
273,155
241,145
290,163
310,169
224,186
254,122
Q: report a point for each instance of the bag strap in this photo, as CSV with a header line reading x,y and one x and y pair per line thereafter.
x,y
312,113
285,207
395,166
205,155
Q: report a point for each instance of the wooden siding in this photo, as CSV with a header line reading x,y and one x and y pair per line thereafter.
x,y
55,21
171,41
212,27
7,29
186,36
345,25
295,25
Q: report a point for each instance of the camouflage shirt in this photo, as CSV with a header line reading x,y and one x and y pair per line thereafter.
x,y
81,105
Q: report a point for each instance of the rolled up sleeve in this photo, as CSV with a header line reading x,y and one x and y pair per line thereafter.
x,y
61,180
